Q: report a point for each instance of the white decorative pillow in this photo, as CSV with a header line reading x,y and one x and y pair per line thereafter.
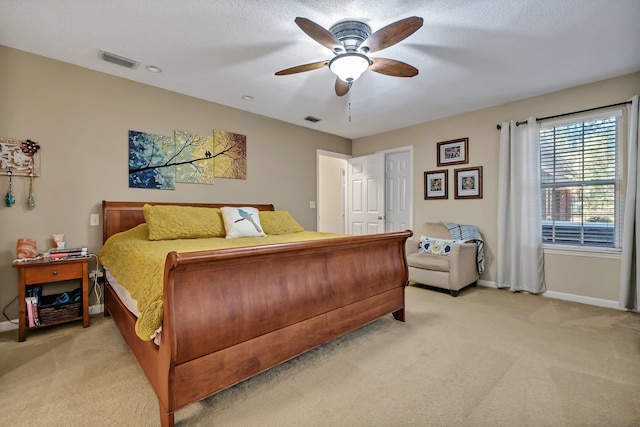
x,y
241,222
431,245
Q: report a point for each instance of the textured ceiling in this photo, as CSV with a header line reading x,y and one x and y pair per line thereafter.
x,y
471,53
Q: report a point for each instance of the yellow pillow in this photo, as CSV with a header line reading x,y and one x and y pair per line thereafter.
x,y
279,222
167,222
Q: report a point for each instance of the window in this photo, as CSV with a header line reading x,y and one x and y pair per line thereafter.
x,y
581,181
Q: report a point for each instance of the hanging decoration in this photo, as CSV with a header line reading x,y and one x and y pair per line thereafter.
x,y
8,199
19,158
31,200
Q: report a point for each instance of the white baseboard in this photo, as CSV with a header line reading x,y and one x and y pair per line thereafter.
x,y
487,284
599,302
583,300
8,326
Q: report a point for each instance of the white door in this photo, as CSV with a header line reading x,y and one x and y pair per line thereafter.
x,y
398,191
366,188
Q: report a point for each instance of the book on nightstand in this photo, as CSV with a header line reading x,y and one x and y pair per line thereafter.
x,y
68,253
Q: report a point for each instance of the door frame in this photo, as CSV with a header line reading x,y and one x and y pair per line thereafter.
x,y
336,155
345,157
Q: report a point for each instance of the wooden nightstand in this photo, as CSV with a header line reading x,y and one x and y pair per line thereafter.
x,y
45,271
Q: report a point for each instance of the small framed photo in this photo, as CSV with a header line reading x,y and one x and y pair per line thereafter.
x,y
454,152
468,183
435,185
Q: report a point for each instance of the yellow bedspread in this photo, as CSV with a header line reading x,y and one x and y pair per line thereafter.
x,y
138,265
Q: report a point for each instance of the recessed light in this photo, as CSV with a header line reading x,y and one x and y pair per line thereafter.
x,y
154,69
247,97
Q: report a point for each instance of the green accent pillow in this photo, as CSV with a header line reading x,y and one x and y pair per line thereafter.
x,y
168,222
279,222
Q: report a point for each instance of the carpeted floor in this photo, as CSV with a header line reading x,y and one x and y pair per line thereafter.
x,y
486,358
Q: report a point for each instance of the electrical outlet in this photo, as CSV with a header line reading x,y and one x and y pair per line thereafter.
x,y
94,220
95,274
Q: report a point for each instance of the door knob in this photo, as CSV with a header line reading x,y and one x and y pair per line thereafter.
x,y
381,217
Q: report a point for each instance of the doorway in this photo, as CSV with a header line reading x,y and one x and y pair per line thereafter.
x,y
335,198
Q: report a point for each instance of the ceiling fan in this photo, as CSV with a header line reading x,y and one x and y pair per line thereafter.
x,y
351,42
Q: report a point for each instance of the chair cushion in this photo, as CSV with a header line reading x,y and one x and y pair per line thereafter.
x,y
428,262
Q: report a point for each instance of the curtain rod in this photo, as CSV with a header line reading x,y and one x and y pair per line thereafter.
x,y
524,122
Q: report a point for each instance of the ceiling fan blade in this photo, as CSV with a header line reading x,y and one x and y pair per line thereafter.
x,y
302,68
319,34
391,34
342,87
391,67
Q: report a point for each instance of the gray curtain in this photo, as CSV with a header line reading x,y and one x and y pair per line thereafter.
x,y
520,258
631,234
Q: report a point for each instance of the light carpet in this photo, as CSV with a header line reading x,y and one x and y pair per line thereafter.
x,y
487,358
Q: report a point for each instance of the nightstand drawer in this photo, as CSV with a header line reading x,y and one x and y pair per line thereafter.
x,y
53,273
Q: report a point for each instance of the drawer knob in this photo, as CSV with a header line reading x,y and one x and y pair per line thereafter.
x,y
55,272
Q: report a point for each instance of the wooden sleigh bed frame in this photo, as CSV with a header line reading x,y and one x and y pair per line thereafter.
x,y
230,314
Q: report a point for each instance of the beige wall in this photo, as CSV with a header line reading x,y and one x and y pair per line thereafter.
x,y
588,277
81,118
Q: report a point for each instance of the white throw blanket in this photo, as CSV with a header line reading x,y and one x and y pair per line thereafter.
x,y
468,233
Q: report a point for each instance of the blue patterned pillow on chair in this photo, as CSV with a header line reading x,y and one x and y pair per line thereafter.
x,y
431,245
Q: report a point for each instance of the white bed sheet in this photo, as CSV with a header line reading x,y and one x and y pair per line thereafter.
x,y
123,294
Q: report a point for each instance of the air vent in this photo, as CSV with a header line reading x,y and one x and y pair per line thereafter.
x,y
119,60
312,119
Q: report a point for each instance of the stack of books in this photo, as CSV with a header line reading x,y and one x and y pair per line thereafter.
x,y
64,253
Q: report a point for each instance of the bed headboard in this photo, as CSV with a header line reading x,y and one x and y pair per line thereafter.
x,y
122,216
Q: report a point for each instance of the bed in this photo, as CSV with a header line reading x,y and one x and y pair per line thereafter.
x,y
275,301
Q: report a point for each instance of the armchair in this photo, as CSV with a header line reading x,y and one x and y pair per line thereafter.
x,y
452,272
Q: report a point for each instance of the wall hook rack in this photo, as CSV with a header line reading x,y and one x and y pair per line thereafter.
x,y
19,157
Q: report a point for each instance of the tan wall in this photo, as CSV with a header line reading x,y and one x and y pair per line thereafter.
x,y
596,277
82,118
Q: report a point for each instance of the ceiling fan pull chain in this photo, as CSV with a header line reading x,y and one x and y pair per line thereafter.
x,y
349,104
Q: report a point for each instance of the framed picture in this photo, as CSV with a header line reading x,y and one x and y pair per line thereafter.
x,y
468,183
454,152
435,185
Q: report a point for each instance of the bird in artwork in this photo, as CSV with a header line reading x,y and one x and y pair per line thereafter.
x,y
246,215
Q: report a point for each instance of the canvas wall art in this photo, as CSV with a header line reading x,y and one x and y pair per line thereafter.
x,y
194,158
151,161
159,161
230,152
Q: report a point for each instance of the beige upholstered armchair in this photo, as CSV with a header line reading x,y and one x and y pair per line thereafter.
x,y
454,271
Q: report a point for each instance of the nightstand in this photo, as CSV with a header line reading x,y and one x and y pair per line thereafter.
x,y
43,271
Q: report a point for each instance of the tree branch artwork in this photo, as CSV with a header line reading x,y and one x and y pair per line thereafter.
x,y
194,158
151,161
158,161
230,152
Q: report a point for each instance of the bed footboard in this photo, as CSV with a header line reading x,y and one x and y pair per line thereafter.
x,y
231,314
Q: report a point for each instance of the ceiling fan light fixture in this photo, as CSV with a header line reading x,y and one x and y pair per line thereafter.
x,y
349,66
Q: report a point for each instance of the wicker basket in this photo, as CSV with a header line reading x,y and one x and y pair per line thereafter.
x,y
53,313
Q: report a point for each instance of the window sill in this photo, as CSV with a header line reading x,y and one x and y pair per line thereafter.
x,y
582,251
